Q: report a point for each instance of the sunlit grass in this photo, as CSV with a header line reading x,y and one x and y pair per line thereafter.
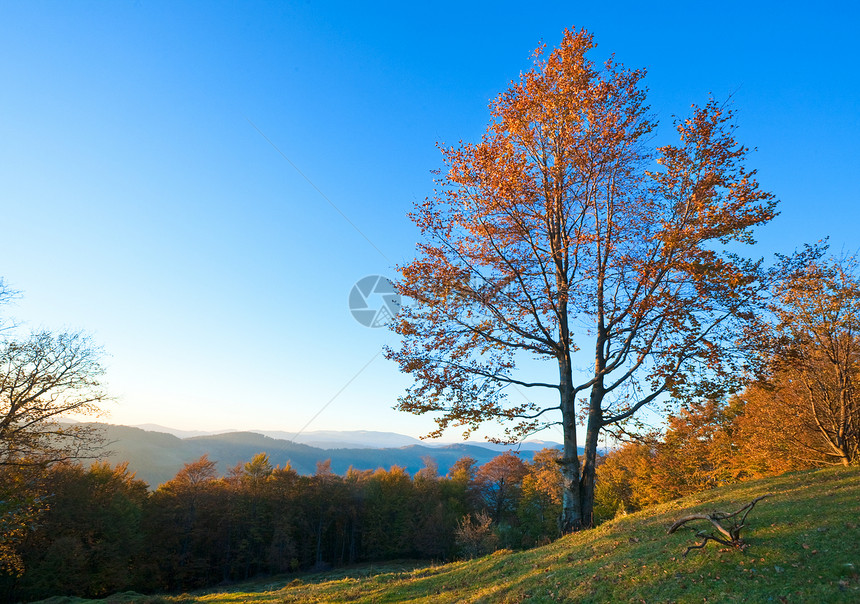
x,y
804,547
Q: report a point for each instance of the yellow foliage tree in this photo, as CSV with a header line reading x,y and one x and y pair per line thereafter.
x,y
806,410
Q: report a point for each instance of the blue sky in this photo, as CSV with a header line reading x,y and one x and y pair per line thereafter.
x,y
140,202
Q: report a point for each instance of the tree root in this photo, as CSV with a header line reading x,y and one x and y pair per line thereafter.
x,y
730,537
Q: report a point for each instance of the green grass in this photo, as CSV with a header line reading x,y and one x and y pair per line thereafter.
x,y
804,546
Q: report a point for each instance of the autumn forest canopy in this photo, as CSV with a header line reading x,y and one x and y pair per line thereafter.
x,y
571,273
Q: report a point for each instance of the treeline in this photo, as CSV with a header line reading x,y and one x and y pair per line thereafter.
x,y
709,444
98,530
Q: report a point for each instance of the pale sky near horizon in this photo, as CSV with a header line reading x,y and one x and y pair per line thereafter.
x,y
142,202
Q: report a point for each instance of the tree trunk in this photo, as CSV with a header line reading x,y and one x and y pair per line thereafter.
x,y
578,480
589,468
571,502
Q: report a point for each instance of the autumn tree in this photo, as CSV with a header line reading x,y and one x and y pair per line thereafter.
x,y
323,503
812,386
463,471
772,436
562,236
698,451
283,491
540,499
499,482
625,480
436,512
185,524
194,475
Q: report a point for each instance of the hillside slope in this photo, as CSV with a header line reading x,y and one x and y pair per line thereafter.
x,y
804,546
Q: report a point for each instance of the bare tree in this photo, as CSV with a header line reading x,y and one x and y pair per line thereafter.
x,y
6,294
42,379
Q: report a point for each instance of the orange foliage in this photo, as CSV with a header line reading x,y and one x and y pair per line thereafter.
x,y
560,231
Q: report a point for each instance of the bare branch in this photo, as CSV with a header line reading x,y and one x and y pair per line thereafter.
x,y
731,535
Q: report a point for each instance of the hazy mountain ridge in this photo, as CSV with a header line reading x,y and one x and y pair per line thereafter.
x,y
156,456
349,439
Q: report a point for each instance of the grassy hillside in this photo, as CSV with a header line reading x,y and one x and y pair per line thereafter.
x,y
804,547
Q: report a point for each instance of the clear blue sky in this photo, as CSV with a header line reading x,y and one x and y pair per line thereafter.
x,y
139,203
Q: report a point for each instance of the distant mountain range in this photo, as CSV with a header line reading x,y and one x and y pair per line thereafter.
x,y
323,439
155,453
351,439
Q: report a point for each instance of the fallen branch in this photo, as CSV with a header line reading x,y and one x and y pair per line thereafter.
x,y
731,536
